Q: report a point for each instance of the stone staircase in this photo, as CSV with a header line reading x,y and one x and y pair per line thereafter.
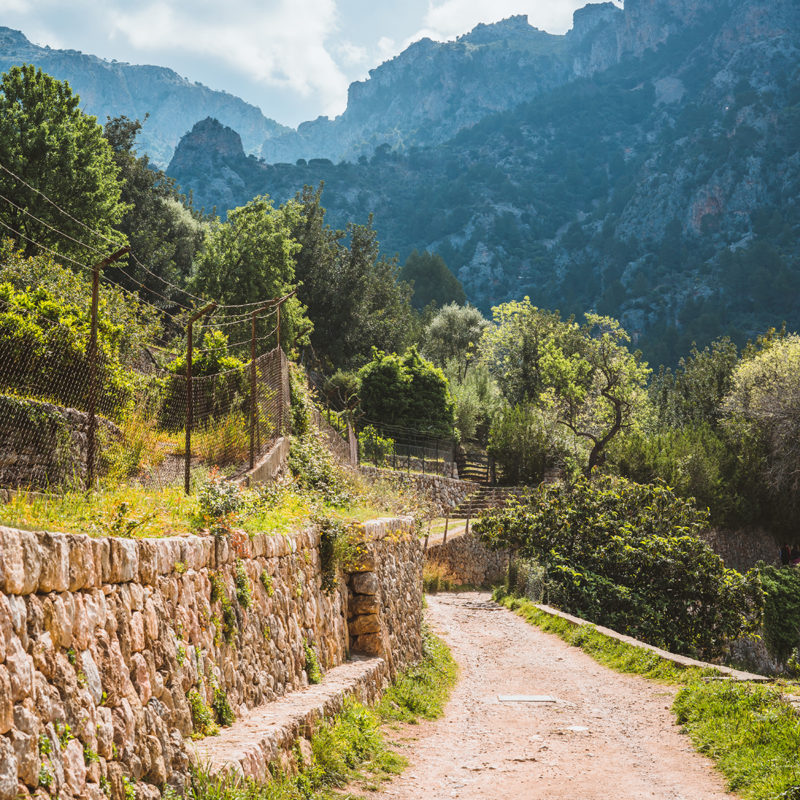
x,y
484,498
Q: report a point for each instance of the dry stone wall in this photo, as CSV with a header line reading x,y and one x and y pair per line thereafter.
x,y
467,561
104,643
743,549
443,493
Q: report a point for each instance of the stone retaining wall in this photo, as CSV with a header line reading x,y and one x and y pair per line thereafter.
x,y
443,493
468,561
743,549
103,640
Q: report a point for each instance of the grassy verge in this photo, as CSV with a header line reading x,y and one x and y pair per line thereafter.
x,y
352,748
619,656
746,729
752,735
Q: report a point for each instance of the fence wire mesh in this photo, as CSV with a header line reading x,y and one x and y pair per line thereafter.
x,y
48,385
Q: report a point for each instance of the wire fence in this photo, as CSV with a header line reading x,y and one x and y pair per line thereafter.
x,y
70,418
406,450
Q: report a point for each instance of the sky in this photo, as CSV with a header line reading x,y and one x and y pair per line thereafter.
x,y
292,58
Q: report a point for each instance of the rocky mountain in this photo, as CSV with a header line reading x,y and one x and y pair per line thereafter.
x,y
432,90
660,184
113,88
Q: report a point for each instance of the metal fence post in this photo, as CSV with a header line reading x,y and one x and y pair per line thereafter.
x,y
253,404
91,357
189,345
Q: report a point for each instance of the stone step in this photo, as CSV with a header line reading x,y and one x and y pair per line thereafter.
x,y
267,734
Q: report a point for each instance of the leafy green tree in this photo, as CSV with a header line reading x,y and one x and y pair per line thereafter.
x,y
630,556
407,391
53,146
765,400
584,374
164,232
521,440
433,282
453,335
352,293
250,257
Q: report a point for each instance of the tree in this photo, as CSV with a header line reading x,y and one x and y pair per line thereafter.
x,y
352,293
584,374
164,232
48,142
765,398
453,334
433,282
251,257
406,391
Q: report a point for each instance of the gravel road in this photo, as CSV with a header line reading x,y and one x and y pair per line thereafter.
x,y
604,736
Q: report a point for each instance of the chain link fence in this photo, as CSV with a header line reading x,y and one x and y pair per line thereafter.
x,y
71,418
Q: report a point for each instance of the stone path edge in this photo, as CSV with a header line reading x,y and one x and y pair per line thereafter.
x,y
682,661
268,734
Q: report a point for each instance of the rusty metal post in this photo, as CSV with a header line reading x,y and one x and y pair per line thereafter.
x,y
446,524
466,529
253,402
91,357
189,410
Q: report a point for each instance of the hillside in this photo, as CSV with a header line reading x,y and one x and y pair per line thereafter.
x,y
113,88
661,189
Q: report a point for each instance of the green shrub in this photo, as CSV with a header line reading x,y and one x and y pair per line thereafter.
x,y
243,590
628,556
781,610
203,723
337,549
222,708
373,447
315,468
522,443
312,667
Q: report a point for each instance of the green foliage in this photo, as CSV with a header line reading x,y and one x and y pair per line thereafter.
x,y
43,348
751,734
203,723
407,391
51,144
315,468
251,257
476,397
243,589
222,708
352,292
266,582
164,232
46,777
629,556
312,667
45,745
373,447
781,610
523,442
433,282
338,548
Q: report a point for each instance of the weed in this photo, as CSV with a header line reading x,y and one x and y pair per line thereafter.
x,y
128,789
64,733
217,586
90,756
222,708
45,776
243,591
180,655
266,582
203,723
229,624
105,786
313,669
180,567
72,656
45,745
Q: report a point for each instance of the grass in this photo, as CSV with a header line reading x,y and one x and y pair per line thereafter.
x,y
752,735
351,748
611,653
746,729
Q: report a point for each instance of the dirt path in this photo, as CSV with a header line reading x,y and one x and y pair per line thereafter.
x,y
607,736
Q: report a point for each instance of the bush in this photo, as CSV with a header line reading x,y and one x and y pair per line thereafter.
x,y
522,444
315,468
373,447
781,610
628,556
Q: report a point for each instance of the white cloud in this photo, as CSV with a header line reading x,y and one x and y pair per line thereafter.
x,y
351,55
447,19
280,43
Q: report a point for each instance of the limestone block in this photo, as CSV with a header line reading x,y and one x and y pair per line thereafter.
x,y
25,718
124,561
74,767
365,624
6,703
148,561
101,552
363,604
6,626
140,677
82,572
105,732
137,632
27,755
21,561
47,700
365,583
92,673
369,643
8,770
20,669
54,576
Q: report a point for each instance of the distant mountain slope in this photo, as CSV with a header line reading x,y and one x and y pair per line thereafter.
x,y
432,90
112,88
664,189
